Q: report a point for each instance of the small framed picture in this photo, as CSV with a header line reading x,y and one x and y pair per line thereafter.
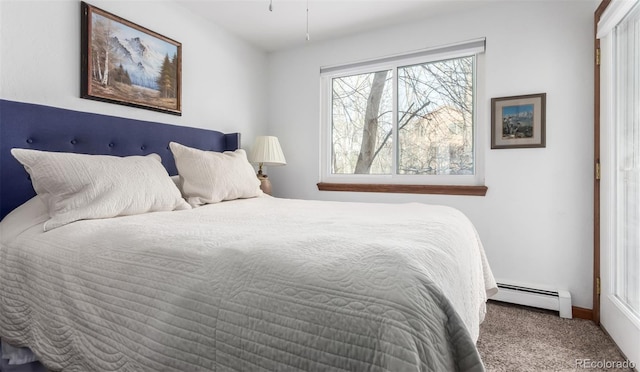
x,y
518,121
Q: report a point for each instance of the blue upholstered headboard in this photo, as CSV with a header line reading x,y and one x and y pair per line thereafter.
x,y
47,128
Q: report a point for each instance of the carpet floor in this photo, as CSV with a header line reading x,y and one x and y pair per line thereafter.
x,y
517,338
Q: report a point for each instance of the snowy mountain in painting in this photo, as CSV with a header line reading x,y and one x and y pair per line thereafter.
x,y
141,61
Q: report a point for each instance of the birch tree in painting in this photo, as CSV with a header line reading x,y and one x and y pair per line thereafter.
x,y
101,46
98,45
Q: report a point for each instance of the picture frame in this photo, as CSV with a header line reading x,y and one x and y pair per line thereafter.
x,y
518,121
127,64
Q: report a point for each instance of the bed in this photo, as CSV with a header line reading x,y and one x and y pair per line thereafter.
x,y
249,283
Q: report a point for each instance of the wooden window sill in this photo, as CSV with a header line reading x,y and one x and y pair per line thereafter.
x,y
405,189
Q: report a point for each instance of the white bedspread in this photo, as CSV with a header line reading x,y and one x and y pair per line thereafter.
x,y
252,284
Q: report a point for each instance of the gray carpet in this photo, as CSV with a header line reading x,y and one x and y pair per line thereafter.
x,y
517,338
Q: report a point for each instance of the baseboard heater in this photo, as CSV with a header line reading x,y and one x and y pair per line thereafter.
x,y
556,300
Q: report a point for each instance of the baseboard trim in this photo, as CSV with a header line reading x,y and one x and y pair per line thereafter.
x,y
581,313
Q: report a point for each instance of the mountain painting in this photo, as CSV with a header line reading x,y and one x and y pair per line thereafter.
x,y
127,64
517,121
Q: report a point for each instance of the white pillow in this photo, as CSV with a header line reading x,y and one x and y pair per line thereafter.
x,y
78,186
211,177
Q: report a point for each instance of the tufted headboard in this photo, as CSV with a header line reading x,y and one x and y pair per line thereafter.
x,y
31,126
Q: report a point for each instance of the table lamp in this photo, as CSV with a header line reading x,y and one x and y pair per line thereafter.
x,y
266,151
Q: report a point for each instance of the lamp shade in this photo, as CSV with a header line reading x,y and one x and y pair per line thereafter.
x,y
267,151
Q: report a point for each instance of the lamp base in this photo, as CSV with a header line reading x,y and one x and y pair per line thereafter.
x,y
265,184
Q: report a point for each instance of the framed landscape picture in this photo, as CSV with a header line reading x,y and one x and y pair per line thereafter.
x,y
518,121
127,64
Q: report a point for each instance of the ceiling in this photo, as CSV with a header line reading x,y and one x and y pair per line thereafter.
x,y
285,26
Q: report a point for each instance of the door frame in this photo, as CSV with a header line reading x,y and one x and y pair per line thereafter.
x,y
596,154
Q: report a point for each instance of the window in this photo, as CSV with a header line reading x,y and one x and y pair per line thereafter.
x,y
403,120
627,160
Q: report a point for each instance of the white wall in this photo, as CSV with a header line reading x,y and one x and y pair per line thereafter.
x,y
223,78
536,219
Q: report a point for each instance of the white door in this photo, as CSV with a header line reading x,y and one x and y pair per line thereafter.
x,y
619,33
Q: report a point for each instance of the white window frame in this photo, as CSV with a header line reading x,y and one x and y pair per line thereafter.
x,y
464,49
